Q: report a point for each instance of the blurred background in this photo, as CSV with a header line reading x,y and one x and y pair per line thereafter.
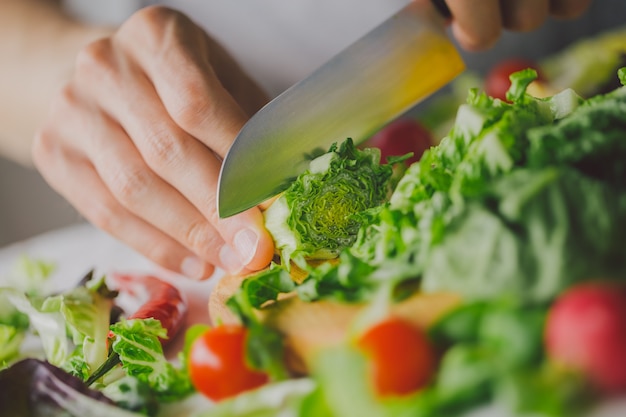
x,y
29,207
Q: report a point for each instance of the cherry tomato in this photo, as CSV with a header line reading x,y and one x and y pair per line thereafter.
x,y
217,364
400,137
586,331
401,357
497,81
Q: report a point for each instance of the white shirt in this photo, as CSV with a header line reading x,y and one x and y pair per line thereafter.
x,y
278,42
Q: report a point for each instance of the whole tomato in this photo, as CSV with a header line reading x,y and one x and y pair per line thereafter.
x,y
400,137
497,81
400,356
586,331
217,364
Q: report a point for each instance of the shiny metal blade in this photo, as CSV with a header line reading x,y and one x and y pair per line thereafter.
x,y
380,76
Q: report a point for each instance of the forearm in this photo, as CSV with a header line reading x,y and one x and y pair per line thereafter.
x,y
38,45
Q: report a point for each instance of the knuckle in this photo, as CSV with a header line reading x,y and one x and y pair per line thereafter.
x,y
477,40
193,109
103,215
95,60
163,148
43,147
129,184
149,23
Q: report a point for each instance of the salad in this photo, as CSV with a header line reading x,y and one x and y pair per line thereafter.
x,y
89,356
489,271
520,212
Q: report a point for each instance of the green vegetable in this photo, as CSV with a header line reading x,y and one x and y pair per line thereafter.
x,y
520,201
512,177
82,313
49,325
31,275
264,346
11,338
315,217
588,65
132,394
141,354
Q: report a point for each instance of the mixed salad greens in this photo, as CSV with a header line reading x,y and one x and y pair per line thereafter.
x,y
522,201
89,356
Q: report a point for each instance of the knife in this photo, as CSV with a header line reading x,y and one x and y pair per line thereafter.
x,y
380,76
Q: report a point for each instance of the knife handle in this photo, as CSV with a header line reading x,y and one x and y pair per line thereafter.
x,y
442,8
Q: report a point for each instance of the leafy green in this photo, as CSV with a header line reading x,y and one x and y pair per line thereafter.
x,y
73,326
132,394
510,176
587,64
137,343
535,244
520,201
11,338
264,346
31,275
87,310
13,328
49,325
315,217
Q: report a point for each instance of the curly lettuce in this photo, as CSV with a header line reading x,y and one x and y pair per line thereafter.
x,y
521,198
316,217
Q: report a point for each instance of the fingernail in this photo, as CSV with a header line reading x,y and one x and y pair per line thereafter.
x,y
230,260
192,267
246,242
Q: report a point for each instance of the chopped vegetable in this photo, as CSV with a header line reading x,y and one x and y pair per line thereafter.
x,y
522,200
315,218
497,81
83,312
137,343
218,366
510,176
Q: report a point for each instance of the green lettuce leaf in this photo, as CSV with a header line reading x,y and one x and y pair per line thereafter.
x,y
315,217
511,176
137,344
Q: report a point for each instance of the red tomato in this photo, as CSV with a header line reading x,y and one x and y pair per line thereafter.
x,y
497,81
586,331
161,301
217,364
401,357
401,137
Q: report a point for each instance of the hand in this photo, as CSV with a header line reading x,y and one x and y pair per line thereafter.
x,y
134,142
478,24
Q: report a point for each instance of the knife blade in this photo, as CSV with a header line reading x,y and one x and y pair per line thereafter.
x,y
385,73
